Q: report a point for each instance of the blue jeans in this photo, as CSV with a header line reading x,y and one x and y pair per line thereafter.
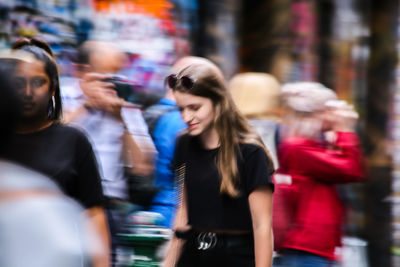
x,y
297,258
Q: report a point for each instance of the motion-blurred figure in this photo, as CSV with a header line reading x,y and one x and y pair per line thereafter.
x,y
42,143
257,97
39,225
226,199
165,122
117,129
318,151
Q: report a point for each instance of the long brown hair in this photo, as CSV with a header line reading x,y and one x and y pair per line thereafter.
x,y
232,127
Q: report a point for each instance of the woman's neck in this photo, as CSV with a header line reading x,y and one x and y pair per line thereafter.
x,y
25,128
210,139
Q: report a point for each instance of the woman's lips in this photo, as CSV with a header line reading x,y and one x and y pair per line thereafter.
x,y
193,126
27,105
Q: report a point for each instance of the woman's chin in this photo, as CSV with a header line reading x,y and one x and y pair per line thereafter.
x,y
194,132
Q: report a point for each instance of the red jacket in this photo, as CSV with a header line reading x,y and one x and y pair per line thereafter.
x,y
307,211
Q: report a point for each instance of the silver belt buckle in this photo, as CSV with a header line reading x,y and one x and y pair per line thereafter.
x,y
206,240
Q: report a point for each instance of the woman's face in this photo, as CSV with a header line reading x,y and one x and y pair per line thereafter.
x,y
33,87
197,112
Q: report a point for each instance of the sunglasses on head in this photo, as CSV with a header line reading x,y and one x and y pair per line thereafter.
x,y
185,81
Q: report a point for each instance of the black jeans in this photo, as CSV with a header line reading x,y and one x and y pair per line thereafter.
x,y
212,250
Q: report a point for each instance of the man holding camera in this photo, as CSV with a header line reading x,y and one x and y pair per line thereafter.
x,y
116,128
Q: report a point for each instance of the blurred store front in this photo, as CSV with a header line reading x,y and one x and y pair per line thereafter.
x,y
152,33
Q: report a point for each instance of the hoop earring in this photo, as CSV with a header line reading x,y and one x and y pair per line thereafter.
x,y
53,101
51,108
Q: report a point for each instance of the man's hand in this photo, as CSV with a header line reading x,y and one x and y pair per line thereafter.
x,y
101,95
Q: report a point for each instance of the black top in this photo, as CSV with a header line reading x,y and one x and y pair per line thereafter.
x,y
64,154
207,207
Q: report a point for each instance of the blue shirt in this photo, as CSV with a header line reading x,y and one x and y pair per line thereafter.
x,y
164,136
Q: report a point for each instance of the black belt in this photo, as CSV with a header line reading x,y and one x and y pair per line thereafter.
x,y
209,240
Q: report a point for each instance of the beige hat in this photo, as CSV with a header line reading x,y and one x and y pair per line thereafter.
x,y
255,94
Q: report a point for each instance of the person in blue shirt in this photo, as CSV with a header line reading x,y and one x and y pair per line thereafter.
x,y
165,132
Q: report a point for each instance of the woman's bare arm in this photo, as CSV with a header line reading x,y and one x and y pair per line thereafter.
x,y
260,202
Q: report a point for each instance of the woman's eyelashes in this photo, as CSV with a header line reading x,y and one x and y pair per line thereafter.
x,y
190,108
35,82
194,107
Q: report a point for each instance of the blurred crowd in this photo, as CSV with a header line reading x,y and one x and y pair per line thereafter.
x,y
86,176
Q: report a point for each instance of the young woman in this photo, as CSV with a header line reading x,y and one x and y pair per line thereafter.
x,y
227,189
44,145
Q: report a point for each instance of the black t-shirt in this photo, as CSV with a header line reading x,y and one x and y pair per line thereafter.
x,y
64,154
207,207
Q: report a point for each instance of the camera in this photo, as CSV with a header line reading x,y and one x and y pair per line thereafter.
x,y
123,88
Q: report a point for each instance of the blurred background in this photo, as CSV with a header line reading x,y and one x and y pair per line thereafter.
x,y
350,46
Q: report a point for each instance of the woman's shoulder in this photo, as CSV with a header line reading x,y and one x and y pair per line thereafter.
x,y
69,132
248,148
252,151
67,129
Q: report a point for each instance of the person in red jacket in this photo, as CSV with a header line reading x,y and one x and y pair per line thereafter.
x,y
318,150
